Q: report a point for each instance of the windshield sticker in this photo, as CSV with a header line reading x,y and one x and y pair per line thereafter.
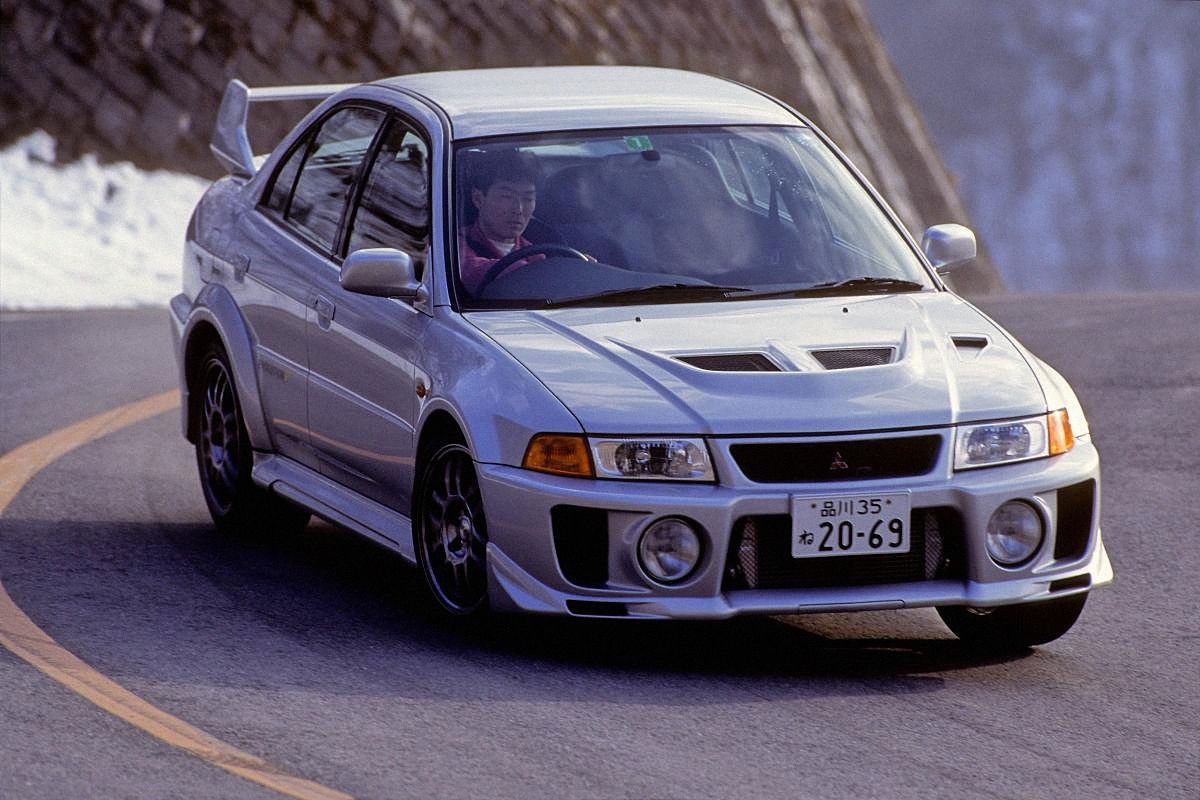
x,y
638,144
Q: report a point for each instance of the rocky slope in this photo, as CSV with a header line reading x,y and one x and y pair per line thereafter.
x,y
1072,129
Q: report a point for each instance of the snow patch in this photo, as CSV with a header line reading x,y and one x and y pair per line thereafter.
x,y
86,234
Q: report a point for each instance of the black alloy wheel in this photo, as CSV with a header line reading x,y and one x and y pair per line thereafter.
x,y
221,446
224,458
451,531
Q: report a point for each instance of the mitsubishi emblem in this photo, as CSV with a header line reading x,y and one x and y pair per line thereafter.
x,y
838,463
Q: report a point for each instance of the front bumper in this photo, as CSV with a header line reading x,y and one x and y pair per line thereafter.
x,y
526,571
179,309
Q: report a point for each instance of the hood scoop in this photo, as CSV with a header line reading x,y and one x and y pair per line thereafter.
x,y
732,362
851,357
969,347
829,359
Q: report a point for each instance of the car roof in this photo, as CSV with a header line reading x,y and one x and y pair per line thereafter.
x,y
492,102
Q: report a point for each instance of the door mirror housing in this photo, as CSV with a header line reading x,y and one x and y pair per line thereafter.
x,y
948,246
382,272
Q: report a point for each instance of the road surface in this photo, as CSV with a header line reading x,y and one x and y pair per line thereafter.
x,y
322,655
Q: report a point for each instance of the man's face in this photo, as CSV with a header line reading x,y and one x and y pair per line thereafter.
x,y
505,209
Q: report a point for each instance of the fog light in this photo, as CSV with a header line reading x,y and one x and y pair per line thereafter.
x,y
1014,533
669,550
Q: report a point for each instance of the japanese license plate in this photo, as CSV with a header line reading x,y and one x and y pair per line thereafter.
x,y
850,525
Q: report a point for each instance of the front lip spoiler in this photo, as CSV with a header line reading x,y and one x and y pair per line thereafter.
x,y
513,589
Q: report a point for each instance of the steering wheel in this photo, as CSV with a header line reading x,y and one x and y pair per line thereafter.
x,y
545,248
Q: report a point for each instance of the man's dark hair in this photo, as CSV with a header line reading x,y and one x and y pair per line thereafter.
x,y
505,165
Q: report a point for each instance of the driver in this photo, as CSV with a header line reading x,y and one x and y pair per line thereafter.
x,y
504,192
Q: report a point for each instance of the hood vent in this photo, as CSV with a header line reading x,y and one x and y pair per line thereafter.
x,y
849,358
969,347
732,362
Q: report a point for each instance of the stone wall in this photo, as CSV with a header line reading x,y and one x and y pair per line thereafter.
x,y
141,79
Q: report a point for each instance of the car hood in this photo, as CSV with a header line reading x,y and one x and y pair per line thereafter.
x,y
618,369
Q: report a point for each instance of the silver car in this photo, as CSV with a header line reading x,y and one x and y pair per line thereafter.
x,y
621,342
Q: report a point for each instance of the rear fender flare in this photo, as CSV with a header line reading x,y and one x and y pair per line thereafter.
x,y
214,306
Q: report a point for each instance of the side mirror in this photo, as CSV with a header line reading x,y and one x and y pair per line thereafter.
x,y
383,272
948,246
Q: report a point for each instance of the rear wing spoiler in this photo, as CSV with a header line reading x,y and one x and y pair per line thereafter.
x,y
230,142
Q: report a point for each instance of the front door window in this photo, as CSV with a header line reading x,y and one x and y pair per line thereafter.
x,y
394,210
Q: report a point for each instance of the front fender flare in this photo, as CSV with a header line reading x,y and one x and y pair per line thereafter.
x,y
216,307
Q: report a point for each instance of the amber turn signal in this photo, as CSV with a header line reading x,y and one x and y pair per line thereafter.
x,y
559,454
1058,425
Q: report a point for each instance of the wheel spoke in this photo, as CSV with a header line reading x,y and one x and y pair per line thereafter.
x,y
445,572
226,400
230,422
229,474
449,478
437,550
210,399
439,500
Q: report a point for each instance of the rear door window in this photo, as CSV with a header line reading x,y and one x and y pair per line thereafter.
x,y
285,178
332,160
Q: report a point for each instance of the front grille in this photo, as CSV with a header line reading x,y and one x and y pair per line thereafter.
x,y
804,462
760,556
732,362
849,358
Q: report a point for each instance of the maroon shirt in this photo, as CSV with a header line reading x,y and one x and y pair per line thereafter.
x,y
476,254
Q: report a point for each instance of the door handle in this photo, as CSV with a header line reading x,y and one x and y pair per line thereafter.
x,y
325,309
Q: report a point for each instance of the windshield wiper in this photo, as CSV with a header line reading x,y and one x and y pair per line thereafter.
x,y
660,293
864,285
689,292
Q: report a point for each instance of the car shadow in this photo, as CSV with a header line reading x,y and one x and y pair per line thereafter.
x,y
345,603
751,646
391,596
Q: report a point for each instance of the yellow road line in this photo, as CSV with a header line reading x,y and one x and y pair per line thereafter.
x,y
23,637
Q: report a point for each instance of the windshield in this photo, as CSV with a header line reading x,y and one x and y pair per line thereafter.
x,y
668,215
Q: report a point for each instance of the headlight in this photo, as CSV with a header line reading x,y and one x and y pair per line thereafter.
x,y
1012,440
650,458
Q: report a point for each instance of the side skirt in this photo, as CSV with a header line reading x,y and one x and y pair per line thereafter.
x,y
335,503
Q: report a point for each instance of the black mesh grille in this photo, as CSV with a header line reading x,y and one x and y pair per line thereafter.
x,y
581,544
760,556
1074,526
803,462
855,357
732,362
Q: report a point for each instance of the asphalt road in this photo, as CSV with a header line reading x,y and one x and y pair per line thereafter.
x,y
322,655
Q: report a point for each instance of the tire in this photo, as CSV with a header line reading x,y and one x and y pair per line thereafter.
x,y
224,458
450,531
1014,627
